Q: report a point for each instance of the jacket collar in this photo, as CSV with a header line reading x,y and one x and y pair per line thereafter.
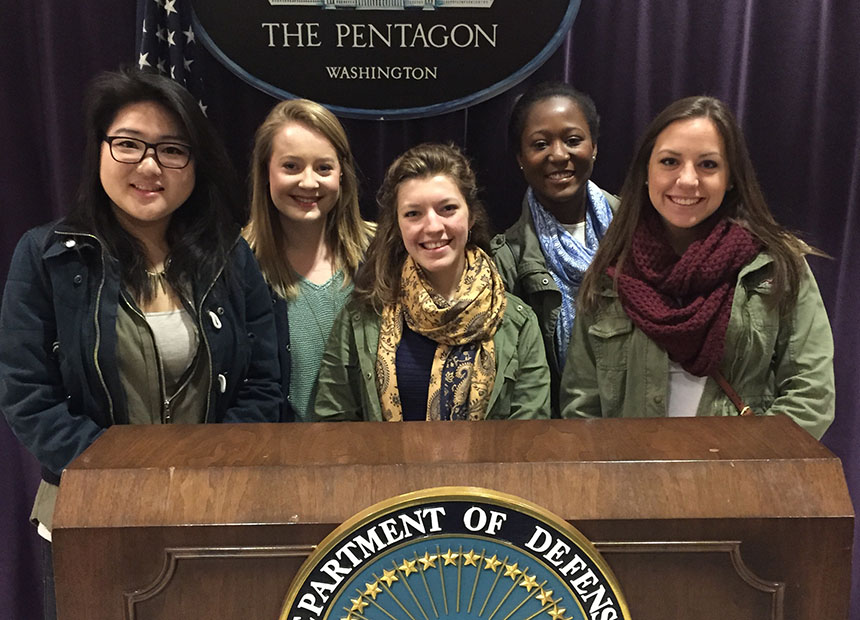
x,y
65,238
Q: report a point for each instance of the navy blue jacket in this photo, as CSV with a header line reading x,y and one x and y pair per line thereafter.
x,y
59,383
282,326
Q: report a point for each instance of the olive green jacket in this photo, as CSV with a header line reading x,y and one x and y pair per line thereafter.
x,y
775,364
347,380
521,263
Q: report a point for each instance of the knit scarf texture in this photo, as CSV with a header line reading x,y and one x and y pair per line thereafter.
x,y
683,303
464,365
567,258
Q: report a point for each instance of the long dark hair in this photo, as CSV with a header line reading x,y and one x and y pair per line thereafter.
x,y
744,203
201,231
377,282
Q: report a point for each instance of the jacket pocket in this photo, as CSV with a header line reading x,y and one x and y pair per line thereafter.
x,y
610,341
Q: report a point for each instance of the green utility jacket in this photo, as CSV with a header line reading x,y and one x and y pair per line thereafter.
x,y
347,381
521,263
775,364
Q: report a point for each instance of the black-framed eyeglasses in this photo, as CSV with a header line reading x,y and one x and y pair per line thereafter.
x,y
127,150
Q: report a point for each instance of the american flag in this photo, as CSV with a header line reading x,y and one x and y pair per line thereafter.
x,y
167,43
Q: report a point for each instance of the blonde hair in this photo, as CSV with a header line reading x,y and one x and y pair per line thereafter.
x,y
346,234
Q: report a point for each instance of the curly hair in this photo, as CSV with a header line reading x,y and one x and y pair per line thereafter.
x,y
377,283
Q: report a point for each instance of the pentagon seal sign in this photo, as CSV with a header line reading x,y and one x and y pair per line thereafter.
x,y
384,58
455,552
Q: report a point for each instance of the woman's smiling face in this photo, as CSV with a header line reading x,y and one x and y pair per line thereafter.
x,y
688,176
557,153
434,223
145,194
304,174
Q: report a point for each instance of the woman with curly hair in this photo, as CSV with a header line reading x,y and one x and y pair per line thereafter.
x,y
430,333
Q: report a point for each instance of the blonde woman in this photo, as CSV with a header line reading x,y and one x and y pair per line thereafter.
x,y
307,233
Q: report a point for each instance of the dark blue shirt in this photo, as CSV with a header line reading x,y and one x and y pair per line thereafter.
x,y
413,361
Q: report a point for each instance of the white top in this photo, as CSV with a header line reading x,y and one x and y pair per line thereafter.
x,y
577,230
684,393
176,341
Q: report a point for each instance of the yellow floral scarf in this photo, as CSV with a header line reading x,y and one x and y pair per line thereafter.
x,y
464,366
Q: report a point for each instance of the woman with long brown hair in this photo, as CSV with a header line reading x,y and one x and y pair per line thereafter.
x,y
698,302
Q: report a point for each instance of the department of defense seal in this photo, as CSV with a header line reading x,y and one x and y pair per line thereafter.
x,y
455,552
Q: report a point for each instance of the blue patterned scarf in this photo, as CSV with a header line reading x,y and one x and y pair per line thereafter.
x,y
567,258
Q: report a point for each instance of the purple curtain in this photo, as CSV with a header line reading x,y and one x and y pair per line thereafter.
x,y
790,70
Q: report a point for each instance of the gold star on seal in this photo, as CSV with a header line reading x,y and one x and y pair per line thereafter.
x,y
450,557
372,589
428,561
471,558
529,582
512,571
389,577
545,597
557,613
491,563
408,567
358,604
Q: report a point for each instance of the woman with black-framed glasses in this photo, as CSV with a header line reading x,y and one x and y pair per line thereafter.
x,y
144,305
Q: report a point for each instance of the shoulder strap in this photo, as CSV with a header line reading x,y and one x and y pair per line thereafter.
x,y
740,405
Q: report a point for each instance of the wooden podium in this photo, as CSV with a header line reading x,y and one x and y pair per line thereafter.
x,y
712,518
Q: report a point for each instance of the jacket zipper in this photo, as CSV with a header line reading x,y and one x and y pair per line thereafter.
x,y
162,389
96,319
166,401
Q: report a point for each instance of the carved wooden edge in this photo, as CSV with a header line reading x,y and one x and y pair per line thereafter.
x,y
172,556
732,547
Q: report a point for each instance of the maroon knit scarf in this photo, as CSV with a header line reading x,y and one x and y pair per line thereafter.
x,y
683,303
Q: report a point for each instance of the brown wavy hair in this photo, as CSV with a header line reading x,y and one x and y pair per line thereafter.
x,y
378,281
346,233
744,203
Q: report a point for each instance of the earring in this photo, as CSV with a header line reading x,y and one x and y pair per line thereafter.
x,y
521,166
646,182
469,237
593,157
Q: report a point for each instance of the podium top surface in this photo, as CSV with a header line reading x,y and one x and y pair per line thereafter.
x,y
323,473
497,441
